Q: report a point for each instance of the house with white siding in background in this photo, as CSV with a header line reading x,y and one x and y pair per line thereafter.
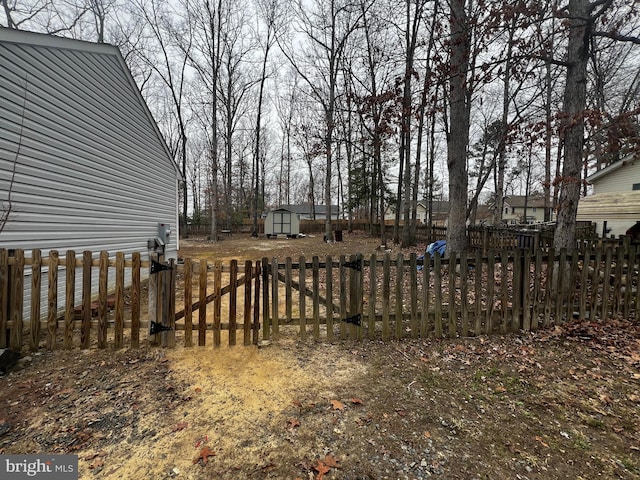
x,y
83,165
614,205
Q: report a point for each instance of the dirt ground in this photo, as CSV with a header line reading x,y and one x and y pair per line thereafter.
x,y
557,404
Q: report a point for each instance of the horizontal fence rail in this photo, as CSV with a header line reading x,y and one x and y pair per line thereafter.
x,y
94,300
467,294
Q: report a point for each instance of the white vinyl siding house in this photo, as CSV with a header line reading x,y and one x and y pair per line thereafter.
x,y
614,205
80,152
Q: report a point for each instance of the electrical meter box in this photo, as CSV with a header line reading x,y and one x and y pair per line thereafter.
x,y
164,232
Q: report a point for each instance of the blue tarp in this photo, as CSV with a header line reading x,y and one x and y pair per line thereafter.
x,y
438,247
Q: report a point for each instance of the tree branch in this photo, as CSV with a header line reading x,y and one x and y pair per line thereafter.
x,y
617,36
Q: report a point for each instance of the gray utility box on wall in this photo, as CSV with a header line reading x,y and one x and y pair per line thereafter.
x,y
159,243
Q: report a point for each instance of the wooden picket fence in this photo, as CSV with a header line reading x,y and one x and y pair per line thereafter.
x,y
97,301
476,294
89,300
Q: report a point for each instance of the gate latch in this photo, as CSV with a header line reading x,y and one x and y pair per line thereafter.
x,y
354,320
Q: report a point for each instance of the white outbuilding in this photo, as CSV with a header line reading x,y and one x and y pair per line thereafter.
x,y
282,222
614,206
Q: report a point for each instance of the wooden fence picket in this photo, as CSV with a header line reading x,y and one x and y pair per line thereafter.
x,y
4,296
36,271
70,295
391,298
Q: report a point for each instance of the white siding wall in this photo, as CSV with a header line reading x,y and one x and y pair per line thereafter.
x,y
92,172
620,180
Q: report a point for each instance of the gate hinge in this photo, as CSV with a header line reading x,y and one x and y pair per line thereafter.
x,y
354,320
157,327
356,265
158,267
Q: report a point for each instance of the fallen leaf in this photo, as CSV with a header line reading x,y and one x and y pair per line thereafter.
x,y
427,435
357,401
204,455
97,463
179,426
337,405
198,389
292,423
321,468
539,439
331,461
500,389
297,403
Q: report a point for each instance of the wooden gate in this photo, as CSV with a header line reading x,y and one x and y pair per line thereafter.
x,y
246,306
297,299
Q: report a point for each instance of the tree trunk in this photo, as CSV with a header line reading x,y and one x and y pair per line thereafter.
x,y
573,125
459,129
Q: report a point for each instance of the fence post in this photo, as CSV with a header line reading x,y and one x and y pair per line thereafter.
x,y
266,328
302,281
153,297
135,300
399,330
329,292
36,269
16,296
315,274
202,294
119,305
233,301
85,333
413,285
256,306
275,304
70,298
373,279
52,323
217,303
168,337
248,284
103,280
4,297
453,314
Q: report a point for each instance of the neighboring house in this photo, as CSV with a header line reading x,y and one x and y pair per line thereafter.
x,y
80,152
305,212
515,205
440,212
282,221
614,205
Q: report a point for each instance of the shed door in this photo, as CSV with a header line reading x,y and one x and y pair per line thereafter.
x,y
282,223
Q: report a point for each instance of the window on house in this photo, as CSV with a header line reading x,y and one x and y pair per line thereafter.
x,y
535,209
636,186
506,210
513,210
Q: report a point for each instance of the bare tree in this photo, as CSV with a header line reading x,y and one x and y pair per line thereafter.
x,y
326,26
170,64
269,11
